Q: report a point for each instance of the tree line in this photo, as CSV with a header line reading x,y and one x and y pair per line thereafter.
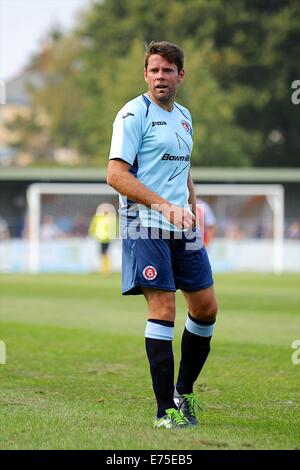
x,y
241,58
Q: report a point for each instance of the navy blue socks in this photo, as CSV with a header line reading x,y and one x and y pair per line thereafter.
x,y
159,336
195,347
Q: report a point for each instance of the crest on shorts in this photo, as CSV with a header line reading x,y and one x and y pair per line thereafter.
x,y
149,273
186,126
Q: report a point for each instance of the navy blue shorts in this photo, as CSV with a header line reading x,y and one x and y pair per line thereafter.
x,y
165,263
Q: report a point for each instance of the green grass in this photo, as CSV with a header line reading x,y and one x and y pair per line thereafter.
x,y
77,376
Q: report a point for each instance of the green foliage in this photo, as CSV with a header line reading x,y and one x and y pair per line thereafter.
x,y
218,140
241,59
31,135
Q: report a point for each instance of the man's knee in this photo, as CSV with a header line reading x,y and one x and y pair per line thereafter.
x,y
212,310
206,312
163,310
161,305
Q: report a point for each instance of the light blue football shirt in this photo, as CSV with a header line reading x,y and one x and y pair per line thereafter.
x,y
158,146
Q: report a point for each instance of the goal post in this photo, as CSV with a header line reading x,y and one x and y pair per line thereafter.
x,y
274,197
34,201
257,209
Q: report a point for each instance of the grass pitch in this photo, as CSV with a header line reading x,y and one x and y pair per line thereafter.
x,y
77,376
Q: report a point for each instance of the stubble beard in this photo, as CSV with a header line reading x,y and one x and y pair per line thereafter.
x,y
166,99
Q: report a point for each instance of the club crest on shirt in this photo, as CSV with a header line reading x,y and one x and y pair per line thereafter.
x,y
149,273
186,126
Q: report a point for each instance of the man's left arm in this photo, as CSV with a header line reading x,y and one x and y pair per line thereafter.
x,y
192,195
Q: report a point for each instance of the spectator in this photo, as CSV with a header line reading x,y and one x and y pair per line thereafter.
x,y
4,229
80,227
235,232
293,230
49,229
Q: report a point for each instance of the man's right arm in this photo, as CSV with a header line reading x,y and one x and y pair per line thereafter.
x,y
119,177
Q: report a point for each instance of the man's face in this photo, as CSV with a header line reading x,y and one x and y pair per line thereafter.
x,y
162,78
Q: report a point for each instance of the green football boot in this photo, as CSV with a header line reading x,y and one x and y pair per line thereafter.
x,y
173,419
188,404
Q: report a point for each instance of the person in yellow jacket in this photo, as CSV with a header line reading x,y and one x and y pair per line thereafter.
x,y
103,227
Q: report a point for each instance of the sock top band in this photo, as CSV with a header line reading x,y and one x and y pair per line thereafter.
x,y
199,330
157,331
201,322
162,322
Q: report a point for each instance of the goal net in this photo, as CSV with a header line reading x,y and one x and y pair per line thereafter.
x,y
248,232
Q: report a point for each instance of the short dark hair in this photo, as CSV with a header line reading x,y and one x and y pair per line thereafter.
x,y
169,51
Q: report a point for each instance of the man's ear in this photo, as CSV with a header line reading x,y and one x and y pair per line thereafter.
x,y
181,75
145,75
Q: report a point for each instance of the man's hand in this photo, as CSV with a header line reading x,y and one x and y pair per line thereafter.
x,y
182,218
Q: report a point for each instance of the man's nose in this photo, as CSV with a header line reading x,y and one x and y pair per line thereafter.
x,y
160,74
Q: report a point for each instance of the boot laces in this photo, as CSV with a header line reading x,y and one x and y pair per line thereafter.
x,y
193,403
176,415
